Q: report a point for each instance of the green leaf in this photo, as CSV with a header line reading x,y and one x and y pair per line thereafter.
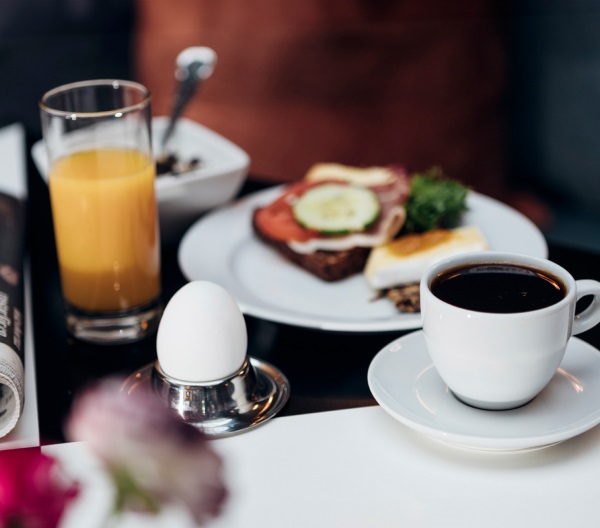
x,y
130,495
435,201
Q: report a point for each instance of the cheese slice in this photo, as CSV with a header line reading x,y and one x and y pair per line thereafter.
x,y
403,261
365,176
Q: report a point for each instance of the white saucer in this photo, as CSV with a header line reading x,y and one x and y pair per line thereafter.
x,y
405,383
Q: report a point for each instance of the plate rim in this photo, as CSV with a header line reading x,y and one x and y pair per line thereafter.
x,y
399,322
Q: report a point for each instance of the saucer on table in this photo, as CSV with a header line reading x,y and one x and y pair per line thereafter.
x,y
405,383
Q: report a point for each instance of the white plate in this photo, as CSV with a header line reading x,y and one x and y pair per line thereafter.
x,y
405,383
222,248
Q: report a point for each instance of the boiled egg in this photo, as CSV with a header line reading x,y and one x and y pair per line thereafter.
x,y
202,335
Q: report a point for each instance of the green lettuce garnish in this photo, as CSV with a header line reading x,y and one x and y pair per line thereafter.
x,y
435,201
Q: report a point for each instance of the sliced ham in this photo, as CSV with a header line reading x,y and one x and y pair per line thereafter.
x,y
277,221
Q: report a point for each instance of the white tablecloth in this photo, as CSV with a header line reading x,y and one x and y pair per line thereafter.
x,y
361,468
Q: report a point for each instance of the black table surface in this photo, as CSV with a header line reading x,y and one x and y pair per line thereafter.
x,y
326,370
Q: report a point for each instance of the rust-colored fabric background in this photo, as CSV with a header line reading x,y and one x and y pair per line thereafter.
x,y
364,82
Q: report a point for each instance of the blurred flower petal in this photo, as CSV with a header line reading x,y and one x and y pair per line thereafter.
x,y
152,455
33,491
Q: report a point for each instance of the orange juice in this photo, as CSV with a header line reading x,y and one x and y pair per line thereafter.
x,y
105,222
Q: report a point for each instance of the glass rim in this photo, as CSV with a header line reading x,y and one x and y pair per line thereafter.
x,y
146,97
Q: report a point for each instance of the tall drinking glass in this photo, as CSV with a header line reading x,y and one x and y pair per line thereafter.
x,y
101,177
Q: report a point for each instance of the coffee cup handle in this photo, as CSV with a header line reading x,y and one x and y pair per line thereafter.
x,y
590,317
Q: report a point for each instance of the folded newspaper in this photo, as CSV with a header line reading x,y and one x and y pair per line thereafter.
x,y
12,242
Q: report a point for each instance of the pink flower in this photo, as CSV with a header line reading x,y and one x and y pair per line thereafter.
x,y
152,455
33,492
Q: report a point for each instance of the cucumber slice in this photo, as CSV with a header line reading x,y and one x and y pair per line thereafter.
x,y
336,209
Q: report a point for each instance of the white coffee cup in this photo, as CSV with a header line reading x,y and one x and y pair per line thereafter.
x,y
502,360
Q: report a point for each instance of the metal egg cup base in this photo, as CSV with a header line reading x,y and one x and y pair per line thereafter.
x,y
248,398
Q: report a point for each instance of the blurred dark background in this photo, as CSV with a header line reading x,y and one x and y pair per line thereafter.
x,y
46,43
555,113
503,95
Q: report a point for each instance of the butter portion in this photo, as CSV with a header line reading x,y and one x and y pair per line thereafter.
x,y
403,261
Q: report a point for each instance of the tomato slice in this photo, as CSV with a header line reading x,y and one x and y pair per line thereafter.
x,y
277,219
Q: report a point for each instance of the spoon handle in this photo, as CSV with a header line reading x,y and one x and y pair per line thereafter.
x,y
186,89
193,65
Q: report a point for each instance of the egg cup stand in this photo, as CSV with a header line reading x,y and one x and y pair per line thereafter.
x,y
242,401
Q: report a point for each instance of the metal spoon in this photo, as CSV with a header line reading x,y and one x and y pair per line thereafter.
x,y
193,66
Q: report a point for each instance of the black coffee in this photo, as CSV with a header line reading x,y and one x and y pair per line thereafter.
x,y
498,288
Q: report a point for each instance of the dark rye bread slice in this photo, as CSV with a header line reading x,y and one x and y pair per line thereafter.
x,y
327,265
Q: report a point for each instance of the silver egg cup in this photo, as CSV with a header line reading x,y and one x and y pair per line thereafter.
x,y
220,408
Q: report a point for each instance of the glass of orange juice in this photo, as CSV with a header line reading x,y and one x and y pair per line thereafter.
x,y
101,178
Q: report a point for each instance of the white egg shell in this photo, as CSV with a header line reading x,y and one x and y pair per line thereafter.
x,y
202,334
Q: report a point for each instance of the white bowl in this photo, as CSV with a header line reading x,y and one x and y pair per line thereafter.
x,y
184,197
